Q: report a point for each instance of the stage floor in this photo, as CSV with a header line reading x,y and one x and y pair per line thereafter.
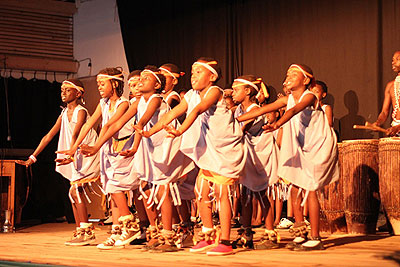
x,y
44,244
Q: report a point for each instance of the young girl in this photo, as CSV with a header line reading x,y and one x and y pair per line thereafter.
x,y
158,161
80,171
172,74
133,80
321,90
213,140
181,213
117,172
308,156
261,166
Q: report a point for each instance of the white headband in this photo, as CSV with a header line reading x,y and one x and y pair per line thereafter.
x,y
110,77
167,71
306,74
206,66
247,82
133,78
154,74
75,86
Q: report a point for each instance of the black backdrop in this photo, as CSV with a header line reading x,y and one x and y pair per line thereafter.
x,y
34,106
349,44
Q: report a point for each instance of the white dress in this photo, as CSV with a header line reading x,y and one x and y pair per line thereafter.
x,y
214,140
117,172
261,153
308,155
81,167
158,159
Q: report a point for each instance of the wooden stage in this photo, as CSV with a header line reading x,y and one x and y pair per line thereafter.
x,y
44,244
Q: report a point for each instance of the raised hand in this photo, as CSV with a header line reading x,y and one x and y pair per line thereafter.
x,y
140,131
172,132
64,161
270,127
128,153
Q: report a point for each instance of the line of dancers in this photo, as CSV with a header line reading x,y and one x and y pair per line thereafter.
x,y
161,150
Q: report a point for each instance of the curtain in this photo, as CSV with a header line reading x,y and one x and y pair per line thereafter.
x,y
34,106
348,44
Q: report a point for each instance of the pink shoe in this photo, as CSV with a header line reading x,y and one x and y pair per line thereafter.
x,y
220,250
202,246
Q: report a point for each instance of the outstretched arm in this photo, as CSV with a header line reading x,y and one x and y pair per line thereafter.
x,y
387,102
83,132
279,103
121,116
211,98
308,100
151,109
329,115
43,143
174,113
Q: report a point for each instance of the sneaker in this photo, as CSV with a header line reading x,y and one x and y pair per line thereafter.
x,y
86,237
245,238
284,223
153,234
75,235
310,245
297,242
220,250
130,230
110,242
202,246
269,240
141,240
184,236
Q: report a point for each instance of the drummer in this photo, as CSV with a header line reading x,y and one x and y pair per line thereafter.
x,y
392,98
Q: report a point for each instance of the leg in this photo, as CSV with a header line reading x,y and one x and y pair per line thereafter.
x,y
204,204
120,201
314,209
296,203
225,211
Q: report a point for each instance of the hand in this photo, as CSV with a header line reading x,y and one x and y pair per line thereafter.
x,y
128,153
270,127
88,150
172,132
70,152
27,163
141,132
64,161
392,131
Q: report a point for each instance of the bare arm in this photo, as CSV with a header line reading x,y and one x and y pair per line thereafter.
x,y
121,116
174,113
329,115
387,102
151,109
211,98
279,103
43,143
308,100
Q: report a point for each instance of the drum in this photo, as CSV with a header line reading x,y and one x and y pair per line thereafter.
x,y
361,185
332,218
389,176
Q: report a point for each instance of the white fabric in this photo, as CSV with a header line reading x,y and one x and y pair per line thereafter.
x,y
82,167
261,153
308,155
117,172
172,94
158,159
214,140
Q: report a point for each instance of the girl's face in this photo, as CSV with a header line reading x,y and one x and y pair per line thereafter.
x,y
69,93
201,77
396,62
239,92
105,87
271,117
317,90
294,79
170,81
148,83
133,86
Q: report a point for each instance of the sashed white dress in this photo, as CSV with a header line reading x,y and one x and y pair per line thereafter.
x,y
308,155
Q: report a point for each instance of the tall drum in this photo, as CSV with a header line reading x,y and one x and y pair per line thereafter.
x,y
389,184
332,203
361,185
